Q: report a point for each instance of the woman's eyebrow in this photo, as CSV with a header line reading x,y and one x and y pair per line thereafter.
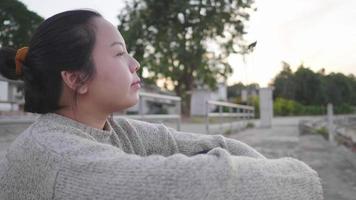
x,y
117,43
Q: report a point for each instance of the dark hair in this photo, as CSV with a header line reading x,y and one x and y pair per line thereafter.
x,y
64,41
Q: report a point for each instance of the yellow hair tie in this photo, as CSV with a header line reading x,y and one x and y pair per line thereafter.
x,y
20,58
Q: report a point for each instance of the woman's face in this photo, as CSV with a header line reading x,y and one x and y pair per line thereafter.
x,y
113,85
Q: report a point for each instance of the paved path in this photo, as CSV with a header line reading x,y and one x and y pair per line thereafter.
x,y
336,165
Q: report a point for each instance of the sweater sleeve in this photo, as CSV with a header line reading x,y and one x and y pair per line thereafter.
x,y
215,175
163,140
193,143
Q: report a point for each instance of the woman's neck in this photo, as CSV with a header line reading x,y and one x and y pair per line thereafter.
x,y
94,120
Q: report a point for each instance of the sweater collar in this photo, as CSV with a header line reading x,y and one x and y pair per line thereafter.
x,y
94,132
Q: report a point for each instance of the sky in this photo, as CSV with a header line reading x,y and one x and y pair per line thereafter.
x,y
317,33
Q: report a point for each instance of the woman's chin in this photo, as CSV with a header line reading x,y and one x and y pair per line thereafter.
x,y
134,101
128,104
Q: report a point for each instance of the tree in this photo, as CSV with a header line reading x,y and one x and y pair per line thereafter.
x,y
234,91
340,89
284,84
315,88
309,87
170,39
17,23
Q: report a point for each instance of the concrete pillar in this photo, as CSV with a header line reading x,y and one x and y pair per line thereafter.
x,y
330,121
266,107
244,95
4,86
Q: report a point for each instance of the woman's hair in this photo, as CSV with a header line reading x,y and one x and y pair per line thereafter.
x,y
64,41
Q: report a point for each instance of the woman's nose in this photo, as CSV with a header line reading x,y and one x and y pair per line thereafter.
x,y
135,65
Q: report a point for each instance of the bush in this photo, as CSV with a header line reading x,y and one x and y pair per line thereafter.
x,y
324,132
250,125
286,107
256,104
344,109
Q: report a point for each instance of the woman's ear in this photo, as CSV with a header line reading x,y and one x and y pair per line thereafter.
x,y
73,81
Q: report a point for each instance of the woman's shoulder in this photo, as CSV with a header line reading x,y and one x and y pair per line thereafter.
x,y
139,125
52,138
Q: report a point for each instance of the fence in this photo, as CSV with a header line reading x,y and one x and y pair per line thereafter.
x,y
156,98
242,112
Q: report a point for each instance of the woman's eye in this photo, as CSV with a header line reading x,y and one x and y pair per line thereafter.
x,y
120,53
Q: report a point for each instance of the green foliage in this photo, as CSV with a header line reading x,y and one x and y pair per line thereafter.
x,y
227,132
344,109
285,107
235,90
250,125
303,86
256,104
224,109
308,92
170,39
308,87
314,110
17,23
324,132
284,84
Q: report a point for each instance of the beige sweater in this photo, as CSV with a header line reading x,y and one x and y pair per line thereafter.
x,y
59,158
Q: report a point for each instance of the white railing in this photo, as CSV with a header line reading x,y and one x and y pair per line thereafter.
x,y
241,112
164,99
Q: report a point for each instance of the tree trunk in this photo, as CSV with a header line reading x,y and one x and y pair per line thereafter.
x,y
184,91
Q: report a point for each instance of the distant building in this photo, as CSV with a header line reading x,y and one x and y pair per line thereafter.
x,y
248,93
11,98
202,94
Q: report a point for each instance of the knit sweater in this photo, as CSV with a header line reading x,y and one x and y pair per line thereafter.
x,y
60,158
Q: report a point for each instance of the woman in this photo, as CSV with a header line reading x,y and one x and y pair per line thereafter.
x,y
77,72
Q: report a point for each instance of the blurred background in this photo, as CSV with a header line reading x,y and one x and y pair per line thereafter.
x,y
278,74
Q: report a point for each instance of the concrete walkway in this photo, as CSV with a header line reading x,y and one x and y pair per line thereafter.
x,y
336,165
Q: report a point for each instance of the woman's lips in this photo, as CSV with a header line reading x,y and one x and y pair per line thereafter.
x,y
136,84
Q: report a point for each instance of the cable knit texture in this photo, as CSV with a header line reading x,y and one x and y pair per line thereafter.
x,y
60,158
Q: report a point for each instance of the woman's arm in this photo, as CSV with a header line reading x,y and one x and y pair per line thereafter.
x,y
215,175
192,143
162,140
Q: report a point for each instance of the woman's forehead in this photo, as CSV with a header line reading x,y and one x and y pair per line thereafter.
x,y
106,33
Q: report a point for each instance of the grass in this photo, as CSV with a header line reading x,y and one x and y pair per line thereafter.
x,y
250,125
323,132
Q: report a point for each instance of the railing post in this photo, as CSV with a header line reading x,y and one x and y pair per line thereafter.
x,y
220,112
330,121
140,107
179,111
231,111
207,117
